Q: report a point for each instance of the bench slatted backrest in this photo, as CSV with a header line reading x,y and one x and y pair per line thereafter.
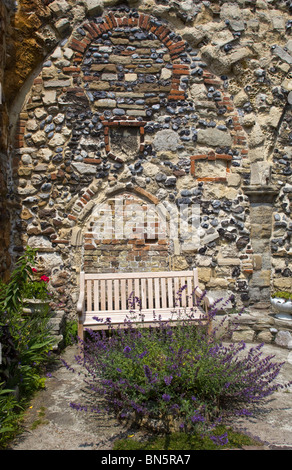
x,y
110,292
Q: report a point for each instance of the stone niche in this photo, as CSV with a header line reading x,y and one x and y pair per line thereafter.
x,y
211,166
124,142
126,233
216,169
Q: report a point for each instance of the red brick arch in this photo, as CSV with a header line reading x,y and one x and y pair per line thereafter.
x,y
143,21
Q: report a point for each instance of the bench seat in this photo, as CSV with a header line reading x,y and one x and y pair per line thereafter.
x,y
142,297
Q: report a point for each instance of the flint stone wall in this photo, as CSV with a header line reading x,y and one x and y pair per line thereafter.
x,y
256,326
178,105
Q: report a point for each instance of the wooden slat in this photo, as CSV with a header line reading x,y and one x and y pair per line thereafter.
x,y
130,289
157,293
163,293
110,295
96,295
141,275
137,288
143,293
189,292
196,278
123,294
89,294
183,293
176,289
102,294
170,292
119,317
116,295
147,312
150,293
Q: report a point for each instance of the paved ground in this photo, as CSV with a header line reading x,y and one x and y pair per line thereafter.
x,y
63,428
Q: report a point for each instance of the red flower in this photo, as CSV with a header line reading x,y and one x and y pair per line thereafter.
x,y
45,278
34,270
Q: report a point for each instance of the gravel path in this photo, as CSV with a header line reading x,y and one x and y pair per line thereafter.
x,y
63,428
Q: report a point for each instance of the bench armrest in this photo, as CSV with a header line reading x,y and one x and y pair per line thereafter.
x,y
206,300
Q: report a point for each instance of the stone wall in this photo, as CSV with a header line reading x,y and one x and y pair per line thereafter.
x,y
179,105
255,325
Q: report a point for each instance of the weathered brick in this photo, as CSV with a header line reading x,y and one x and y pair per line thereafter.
x,y
77,45
90,28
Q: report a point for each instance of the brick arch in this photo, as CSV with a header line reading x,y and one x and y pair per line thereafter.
x,y
80,209
144,22
126,230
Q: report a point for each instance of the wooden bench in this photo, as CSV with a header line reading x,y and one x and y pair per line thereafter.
x,y
110,295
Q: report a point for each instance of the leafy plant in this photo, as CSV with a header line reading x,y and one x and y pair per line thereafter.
x,y
282,295
12,293
70,333
26,342
8,407
37,289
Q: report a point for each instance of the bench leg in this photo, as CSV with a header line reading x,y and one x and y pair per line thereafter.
x,y
80,334
80,331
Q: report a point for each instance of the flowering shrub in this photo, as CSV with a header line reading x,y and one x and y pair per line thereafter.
x,y
178,374
38,288
26,342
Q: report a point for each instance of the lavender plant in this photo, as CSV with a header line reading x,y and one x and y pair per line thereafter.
x,y
176,374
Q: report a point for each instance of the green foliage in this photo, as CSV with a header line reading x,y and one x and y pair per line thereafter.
x,y
283,295
40,419
36,290
183,441
70,333
26,344
12,294
8,408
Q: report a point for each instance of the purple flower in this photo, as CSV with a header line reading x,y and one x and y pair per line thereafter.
x,y
220,440
78,407
166,397
168,379
147,372
142,354
127,349
197,418
98,319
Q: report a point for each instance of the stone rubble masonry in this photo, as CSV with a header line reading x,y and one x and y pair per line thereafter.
x,y
126,105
